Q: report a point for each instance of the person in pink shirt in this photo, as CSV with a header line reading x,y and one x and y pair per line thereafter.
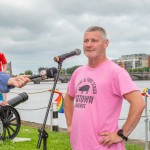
x,y
94,99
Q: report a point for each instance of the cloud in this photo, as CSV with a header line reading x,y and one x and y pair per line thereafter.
x,y
33,32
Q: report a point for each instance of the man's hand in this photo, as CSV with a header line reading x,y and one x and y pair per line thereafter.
x,y
69,130
3,103
18,81
110,138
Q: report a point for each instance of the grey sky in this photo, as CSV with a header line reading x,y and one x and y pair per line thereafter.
x,y
33,32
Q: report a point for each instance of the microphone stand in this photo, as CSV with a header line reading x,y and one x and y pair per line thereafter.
x,y
43,135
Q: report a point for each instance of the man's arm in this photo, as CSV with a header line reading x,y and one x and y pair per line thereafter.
x,y
7,82
68,108
3,82
18,81
137,106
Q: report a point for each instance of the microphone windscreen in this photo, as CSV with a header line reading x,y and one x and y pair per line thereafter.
x,y
51,72
78,51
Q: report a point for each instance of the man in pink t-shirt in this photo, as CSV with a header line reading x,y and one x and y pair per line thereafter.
x,y
94,99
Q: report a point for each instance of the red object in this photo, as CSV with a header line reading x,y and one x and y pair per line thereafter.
x,y
2,61
143,94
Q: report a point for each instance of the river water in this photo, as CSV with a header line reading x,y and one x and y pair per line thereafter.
x,y
34,109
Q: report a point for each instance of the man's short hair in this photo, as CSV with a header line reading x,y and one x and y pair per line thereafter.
x,y
97,28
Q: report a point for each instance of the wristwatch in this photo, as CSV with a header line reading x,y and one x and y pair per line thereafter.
x,y
120,133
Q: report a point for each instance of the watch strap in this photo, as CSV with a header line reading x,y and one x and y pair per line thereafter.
x,y
120,133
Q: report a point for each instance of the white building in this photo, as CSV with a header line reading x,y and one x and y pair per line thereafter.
x,y
134,61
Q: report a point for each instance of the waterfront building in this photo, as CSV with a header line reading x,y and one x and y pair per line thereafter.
x,y
133,61
9,68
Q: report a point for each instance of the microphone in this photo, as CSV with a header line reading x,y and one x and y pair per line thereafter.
x,y
48,73
61,58
22,97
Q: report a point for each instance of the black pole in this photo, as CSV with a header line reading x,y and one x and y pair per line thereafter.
x,y
43,135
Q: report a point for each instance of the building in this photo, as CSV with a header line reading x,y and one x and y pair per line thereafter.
x,y
9,68
120,63
149,61
134,61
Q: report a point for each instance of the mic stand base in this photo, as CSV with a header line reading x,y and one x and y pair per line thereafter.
x,y
44,137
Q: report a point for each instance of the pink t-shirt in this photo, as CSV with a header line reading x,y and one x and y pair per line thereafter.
x,y
98,94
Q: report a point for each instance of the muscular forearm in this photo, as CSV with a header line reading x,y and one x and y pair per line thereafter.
x,y
132,120
136,108
68,107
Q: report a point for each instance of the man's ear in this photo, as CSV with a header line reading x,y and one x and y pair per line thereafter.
x,y
106,43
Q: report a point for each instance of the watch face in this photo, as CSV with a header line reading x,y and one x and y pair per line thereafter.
x,y
120,132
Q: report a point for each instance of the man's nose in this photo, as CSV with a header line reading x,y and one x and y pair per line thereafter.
x,y
89,43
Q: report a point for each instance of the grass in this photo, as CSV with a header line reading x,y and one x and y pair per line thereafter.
x,y
133,147
55,141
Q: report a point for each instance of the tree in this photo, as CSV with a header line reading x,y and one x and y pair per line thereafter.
x,y
129,70
41,68
21,73
71,70
140,69
28,72
134,70
146,69
63,71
